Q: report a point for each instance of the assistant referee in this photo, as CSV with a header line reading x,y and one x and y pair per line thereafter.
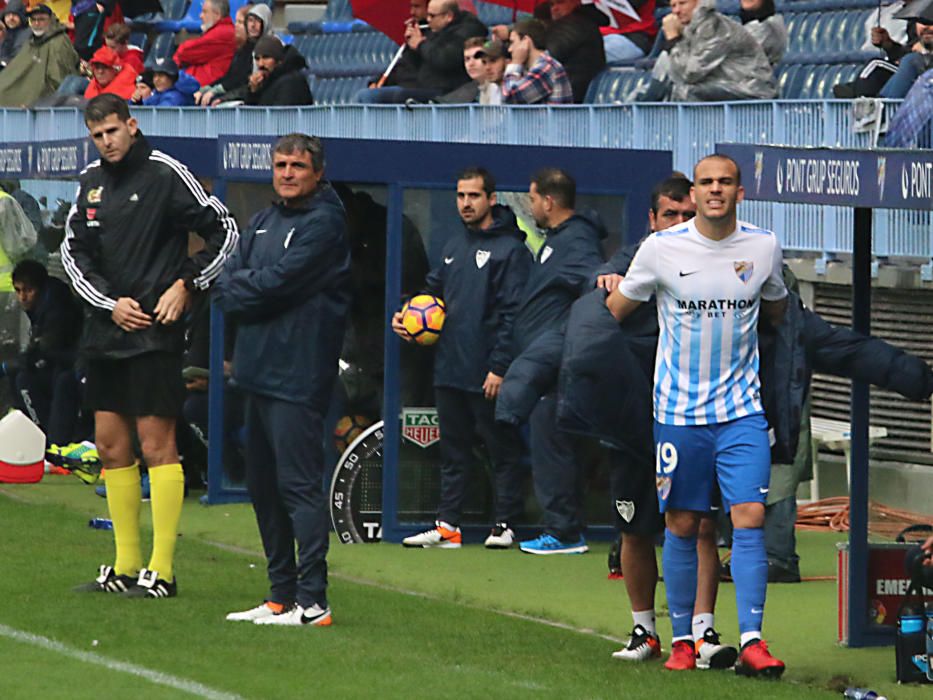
x,y
126,252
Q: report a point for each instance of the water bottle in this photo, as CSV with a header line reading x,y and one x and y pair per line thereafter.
x,y
862,694
100,523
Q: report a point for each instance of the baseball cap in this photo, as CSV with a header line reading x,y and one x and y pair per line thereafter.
x,y
493,49
39,10
107,57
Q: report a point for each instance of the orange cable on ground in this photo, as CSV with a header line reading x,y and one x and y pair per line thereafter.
x,y
833,514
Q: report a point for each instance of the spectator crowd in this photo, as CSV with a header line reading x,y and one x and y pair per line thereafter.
x,y
65,54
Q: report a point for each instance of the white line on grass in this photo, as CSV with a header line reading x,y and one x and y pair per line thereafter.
x,y
157,677
427,596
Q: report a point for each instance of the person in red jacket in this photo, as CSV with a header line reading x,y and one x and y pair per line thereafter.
x,y
110,75
117,37
207,58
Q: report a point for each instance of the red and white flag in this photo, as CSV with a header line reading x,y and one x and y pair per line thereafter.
x,y
615,10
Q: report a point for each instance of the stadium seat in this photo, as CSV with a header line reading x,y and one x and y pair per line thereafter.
x,y
491,14
171,10
140,39
338,11
162,47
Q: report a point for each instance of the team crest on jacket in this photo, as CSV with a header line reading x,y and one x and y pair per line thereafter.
x,y
546,253
744,269
93,196
626,510
482,257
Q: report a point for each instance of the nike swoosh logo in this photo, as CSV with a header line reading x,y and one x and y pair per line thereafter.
x,y
687,274
447,261
757,611
675,615
761,490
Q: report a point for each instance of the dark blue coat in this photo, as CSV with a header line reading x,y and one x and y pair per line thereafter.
x,y
481,278
55,326
288,287
562,271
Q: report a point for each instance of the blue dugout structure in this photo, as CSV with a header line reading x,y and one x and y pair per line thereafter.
x,y
864,181
398,165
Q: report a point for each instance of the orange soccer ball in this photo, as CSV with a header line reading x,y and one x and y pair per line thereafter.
x,y
423,318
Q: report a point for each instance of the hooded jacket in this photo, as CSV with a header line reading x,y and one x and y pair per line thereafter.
x,y
481,279
716,58
287,285
242,64
576,42
285,85
440,56
127,236
207,57
15,39
54,326
39,67
181,94
123,83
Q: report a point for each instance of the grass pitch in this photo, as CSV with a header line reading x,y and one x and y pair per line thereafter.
x,y
407,623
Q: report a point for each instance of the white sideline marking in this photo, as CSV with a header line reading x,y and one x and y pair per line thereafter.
x,y
157,677
427,596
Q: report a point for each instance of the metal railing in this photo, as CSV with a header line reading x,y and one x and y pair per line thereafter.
x,y
690,131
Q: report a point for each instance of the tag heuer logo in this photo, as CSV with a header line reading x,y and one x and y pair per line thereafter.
x,y
626,510
420,426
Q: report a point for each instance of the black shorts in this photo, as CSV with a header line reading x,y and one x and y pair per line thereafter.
x,y
635,496
143,385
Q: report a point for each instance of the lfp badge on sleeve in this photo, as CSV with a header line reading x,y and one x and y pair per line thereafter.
x,y
420,426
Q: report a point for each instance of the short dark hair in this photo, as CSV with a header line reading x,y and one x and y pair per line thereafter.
x,y
118,32
302,143
31,273
474,42
103,106
676,187
557,184
475,171
720,156
534,28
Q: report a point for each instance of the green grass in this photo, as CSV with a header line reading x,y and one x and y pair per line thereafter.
x,y
445,642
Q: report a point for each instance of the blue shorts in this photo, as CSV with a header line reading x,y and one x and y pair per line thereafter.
x,y
690,459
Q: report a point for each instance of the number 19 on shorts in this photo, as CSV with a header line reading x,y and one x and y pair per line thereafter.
x,y
665,464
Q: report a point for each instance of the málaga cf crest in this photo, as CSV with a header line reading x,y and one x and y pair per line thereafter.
x,y
744,269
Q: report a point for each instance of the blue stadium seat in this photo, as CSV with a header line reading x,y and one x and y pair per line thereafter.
x,y
162,47
491,14
140,39
338,11
171,10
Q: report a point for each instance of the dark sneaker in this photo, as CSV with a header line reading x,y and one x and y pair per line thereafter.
x,y
642,646
756,661
149,585
712,654
108,581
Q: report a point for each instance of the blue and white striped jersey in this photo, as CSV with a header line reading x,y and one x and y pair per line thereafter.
x,y
708,295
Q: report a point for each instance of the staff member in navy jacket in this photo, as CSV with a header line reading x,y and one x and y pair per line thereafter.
x,y
561,272
480,279
288,287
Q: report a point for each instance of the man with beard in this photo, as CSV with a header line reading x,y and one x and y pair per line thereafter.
x,y
252,22
41,65
207,57
481,280
278,80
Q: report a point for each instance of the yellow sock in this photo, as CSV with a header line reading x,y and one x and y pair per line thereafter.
x,y
123,499
167,493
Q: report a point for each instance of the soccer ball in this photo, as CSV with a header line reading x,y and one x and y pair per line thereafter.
x,y
348,429
423,318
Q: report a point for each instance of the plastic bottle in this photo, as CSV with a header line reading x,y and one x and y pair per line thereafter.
x,y
100,523
862,694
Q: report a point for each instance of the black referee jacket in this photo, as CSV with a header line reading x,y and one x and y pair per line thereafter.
x,y
127,236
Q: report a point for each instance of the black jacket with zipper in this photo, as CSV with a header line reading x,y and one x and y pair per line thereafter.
x,y
127,236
